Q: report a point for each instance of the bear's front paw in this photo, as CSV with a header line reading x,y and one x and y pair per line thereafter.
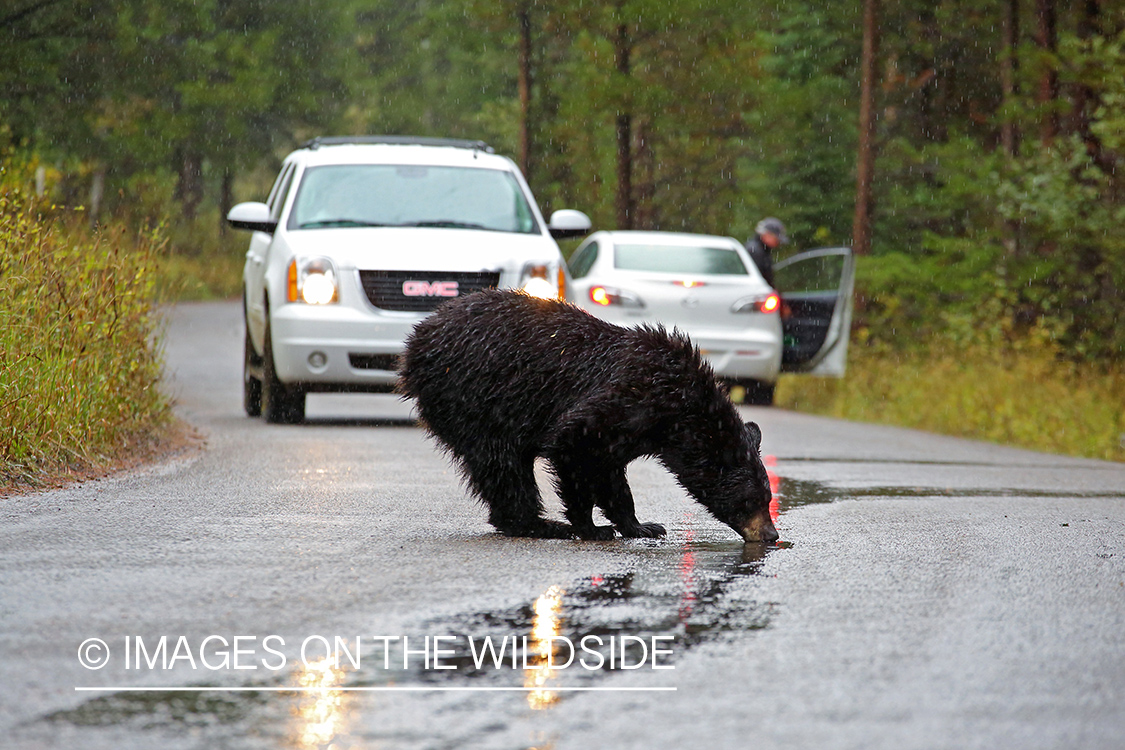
x,y
644,531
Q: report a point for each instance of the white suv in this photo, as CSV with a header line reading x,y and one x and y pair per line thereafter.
x,y
361,238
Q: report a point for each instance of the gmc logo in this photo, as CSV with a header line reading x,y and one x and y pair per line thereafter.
x,y
429,289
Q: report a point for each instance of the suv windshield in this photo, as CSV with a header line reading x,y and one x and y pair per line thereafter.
x,y
678,259
410,196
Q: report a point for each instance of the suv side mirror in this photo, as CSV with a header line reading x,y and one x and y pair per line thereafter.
x,y
567,222
252,216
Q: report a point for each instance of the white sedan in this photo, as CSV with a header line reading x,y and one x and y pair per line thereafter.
x,y
708,287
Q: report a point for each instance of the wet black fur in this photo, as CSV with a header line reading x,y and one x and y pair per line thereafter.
x,y
501,378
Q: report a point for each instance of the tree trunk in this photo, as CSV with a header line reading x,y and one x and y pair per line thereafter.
x,y
1047,39
645,186
97,191
1086,100
624,137
1009,133
865,166
931,94
189,190
524,19
1009,67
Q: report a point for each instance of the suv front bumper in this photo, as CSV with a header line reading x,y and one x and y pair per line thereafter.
x,y
335,347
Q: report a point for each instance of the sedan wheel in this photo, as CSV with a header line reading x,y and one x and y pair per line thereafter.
x,y
758,393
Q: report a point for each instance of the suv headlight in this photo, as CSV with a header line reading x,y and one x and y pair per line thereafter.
x,y
543,280
312,280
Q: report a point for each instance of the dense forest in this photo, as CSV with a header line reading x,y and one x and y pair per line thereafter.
x,y
972,151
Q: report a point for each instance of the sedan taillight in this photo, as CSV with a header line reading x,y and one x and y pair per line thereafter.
x,y
606,296
766,303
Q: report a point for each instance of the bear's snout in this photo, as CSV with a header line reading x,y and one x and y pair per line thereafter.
x,y
760,529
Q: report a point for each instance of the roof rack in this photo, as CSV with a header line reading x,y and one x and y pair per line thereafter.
x,y
397,140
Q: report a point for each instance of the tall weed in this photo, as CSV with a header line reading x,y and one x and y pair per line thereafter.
x,y
79,361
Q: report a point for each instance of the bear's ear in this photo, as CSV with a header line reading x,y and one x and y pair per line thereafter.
x,y
754,434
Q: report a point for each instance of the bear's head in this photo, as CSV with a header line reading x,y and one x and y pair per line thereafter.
x,y
743,497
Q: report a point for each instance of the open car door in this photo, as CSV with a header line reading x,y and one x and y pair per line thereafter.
x,y
816,292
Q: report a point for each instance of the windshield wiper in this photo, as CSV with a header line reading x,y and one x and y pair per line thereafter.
x,y
446,224
345,223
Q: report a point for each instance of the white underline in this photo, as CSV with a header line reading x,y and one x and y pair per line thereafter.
x,y
386,689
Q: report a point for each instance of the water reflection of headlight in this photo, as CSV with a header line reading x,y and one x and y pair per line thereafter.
x,y
544,627
322,711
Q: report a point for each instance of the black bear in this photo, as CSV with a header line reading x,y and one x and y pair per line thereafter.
x,y
502,378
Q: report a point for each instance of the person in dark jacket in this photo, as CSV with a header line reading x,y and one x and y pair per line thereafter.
x,y
768,235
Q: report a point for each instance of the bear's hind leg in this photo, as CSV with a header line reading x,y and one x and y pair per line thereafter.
x,y
514,506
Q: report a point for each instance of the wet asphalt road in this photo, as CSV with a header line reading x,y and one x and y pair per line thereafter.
x,y
929,593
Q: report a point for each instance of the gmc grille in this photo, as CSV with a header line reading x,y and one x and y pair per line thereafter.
x,y
421,291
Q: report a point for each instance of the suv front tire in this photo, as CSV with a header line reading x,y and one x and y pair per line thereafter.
x,y
280,403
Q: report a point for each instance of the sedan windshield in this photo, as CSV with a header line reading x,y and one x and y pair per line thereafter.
x,y
681,259
410,196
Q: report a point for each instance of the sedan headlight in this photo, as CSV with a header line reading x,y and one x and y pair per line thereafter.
x,y
313,281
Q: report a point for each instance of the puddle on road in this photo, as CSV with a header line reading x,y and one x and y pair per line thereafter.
x,y
253,718
862,492
932,462
693,600
162,710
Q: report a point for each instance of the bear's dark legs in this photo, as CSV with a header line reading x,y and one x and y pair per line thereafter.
x,y
514,507
581,486
616,502
577,495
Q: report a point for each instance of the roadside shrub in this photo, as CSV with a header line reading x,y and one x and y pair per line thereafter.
x,y
79,360
1022,394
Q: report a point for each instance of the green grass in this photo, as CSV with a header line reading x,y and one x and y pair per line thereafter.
x,y
199,263
1023,396
183,277
79,361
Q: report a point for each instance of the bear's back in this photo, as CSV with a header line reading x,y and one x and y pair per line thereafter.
x,y
505,365
500,341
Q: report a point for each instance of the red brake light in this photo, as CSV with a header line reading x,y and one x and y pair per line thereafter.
x,y
771,304
599,295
